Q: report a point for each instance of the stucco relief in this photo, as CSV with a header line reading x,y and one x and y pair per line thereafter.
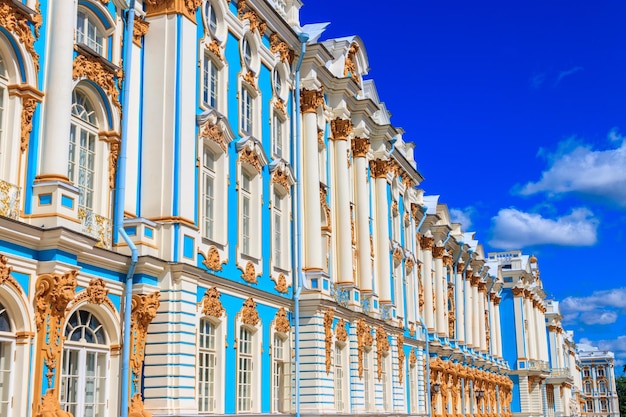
x,y
281,322
92,69
382,347
213,133
280,47
185,7
328,336
140,29
5,274
17,22
249,313
400,342
211,304
340,331
143,311
281,284
364,340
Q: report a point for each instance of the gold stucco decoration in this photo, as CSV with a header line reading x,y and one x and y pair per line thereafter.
x,y
340,331
140,28
412,330
250,157
408,265
53,293
400,357
213,133
136,408
281,284
50,406
281,322
5,274
451,312
311,100
426,242
421,294
340,128
215,49
211,304
279,176
412,358
256,23
349,68
360,147
113,157
92,69
328,336
325,207
212,260
97,291
382,347
16,21
487,330
250,78
438,252
398,255
379,168
28,109
278,46
249,274
249,314
364,339
185,7
143,311
279,105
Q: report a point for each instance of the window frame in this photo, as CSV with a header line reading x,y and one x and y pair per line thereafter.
x,y
91,21
254,374
246,111
88,194
281,380
210,81
219,335
8,342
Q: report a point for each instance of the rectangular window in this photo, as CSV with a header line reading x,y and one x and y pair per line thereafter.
x,y
385,383
206,367
339,378
244,371
5,376
245,209
83,382
208,174
366,380
281,379
413,388
2,90
246,112
88,33
209,82
278,239
277,136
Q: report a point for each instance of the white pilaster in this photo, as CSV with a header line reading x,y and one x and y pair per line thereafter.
x,y
440,324
379,172
460,303
469,310
426,243
360,147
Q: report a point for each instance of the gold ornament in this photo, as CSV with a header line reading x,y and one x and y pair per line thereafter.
x,y
281,322
249,314
211,304
328,336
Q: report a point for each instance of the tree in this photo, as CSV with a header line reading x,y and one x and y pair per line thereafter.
x,y
620,384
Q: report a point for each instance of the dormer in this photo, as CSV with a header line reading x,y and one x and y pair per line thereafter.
x,y
349,58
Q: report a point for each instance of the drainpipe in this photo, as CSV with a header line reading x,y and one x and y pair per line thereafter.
x,y
119,210
303,38
425,332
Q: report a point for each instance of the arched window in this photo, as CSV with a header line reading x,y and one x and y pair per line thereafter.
x,y
89,32
84,366
4,79
82,148
342,371
6,359
211,17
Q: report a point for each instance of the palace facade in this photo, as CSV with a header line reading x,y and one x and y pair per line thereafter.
x,y
205,209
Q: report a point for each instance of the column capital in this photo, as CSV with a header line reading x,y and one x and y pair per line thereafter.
x,y
438,252
518,292
482,287
460,267
379,168
427,242
340,128
360,147
310,100
447,259
496,300
475,280
165,7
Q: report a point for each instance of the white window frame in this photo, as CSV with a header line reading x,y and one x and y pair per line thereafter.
x,y
413,384
281,373
7,368
210,81
386,382
4,104
83,349
341,377
369,400
91,34
246,111
248,400
279,148
84,120
249,220
281,239
209,192
206,405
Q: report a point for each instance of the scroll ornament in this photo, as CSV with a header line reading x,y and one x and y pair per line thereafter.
x,y
328,336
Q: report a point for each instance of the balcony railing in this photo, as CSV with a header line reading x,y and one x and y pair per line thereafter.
x,y
96,226
9,200
535,365
561,373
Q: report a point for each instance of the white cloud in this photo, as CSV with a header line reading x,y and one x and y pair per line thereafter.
x,y
601,307
514,229
463,216
567,73
578,168
598,317
617,345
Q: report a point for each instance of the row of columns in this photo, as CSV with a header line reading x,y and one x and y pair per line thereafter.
x,y
534,324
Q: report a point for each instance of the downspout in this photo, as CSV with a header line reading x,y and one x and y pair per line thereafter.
x,y
303,38
425,332
119,210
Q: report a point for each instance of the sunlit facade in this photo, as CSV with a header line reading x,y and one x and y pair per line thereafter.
x,y
275,246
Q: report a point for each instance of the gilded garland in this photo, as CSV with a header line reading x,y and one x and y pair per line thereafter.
x,y
328,336
143,311
364,339
92,69
400,357
249,314
211,304
212,261
382,347
281,322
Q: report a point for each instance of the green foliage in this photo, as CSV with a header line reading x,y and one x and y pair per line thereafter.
x,y
620,383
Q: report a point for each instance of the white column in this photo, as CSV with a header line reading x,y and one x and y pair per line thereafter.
x,y
343,232
477,312
440,322
310,100
469,309
460,303
540,329
497,325
530,320
58,88
482,305
520,332
379,172
426,243
360,146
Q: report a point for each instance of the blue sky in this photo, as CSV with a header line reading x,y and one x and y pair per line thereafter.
x,y
518,113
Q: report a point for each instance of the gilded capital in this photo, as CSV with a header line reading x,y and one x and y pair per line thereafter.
x,y
340,128
482,287
360,146
379,168
310,100
438,252
160,7
518,292
427,242
475,280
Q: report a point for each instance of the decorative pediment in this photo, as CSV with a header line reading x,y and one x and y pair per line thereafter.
x,y
211,304
249,313
251,152
282,174
213,126
281,322
93,69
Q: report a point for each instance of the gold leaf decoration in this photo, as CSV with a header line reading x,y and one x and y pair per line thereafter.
x,y
211,304
249,314
328,336
281,322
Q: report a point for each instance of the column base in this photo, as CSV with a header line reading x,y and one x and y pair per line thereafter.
x,y
55,204
144,234
318,280
369,303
